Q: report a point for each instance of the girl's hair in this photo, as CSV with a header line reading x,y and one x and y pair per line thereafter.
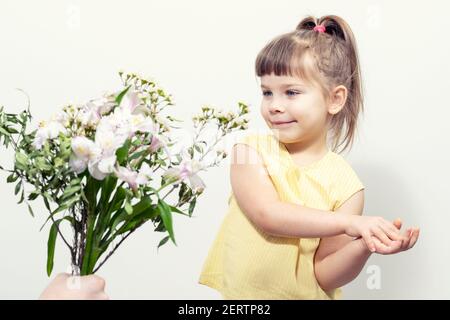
x,y
327,59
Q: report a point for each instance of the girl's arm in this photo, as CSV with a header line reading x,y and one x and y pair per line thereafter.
x,y
343,266
258,199
340,259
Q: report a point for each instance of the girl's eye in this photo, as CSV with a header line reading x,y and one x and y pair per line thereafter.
x,y
292,93
288,92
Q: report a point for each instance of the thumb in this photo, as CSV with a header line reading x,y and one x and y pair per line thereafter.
x,y
94,282
398,223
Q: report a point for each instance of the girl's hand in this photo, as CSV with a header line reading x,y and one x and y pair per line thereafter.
x,y
66,287
372,229
412,235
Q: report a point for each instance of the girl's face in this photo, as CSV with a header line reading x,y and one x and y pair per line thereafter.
x,y
294,109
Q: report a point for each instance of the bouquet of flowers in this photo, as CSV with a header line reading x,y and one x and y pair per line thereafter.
x,y
104,167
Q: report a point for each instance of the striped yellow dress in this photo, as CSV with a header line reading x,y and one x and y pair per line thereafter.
x,y
247,263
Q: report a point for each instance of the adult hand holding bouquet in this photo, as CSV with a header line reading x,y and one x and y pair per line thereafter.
x,y
104,167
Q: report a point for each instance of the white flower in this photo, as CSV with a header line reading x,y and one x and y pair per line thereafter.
x,y
89,117
130,101
84,148
159,141
99,157
62,117
84,151
133,178
108,141
128,176
164,122
46,131
77,165
91,113
187,170
140,123
104,166
145,174
104,104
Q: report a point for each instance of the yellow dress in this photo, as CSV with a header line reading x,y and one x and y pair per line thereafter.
x,y
246,263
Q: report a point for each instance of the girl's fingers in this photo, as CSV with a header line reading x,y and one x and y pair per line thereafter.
x,y
377,245
381,247
392,231
381,235
414,237
369,242
405,243
396,246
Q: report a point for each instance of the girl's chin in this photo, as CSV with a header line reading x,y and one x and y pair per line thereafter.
x,y
287,137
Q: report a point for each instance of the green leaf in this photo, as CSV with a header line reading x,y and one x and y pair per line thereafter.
x,y
75,182
137,154
21,161
149,213
30,210
122,152
117,200
166,216
3,131
22,197
51,243
121,95
12,130
33,195
160,227
18,186
108,186
70,191
51,247
47,204
12,178
42,164
141,207
163,241
192,206
198,148
66,205
91,190
128,207
175,209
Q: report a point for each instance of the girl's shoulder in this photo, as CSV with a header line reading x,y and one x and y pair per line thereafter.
x,y
264,143
346,180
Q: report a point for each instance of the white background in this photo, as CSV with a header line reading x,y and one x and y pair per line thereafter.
x,y
203,52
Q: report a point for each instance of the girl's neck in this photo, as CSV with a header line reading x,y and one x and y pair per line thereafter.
x,y
305,152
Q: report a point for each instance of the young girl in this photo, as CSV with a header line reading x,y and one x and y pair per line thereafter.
x,y
294,228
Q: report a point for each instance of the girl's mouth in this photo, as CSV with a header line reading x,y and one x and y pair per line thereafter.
x,y
282,123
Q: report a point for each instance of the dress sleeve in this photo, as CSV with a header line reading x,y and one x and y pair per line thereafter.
x,y
248,139
348,184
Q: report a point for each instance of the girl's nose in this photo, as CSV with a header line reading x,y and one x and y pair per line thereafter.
x,y
274,108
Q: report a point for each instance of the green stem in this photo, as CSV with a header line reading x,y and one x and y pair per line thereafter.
x,y
165,185
89,239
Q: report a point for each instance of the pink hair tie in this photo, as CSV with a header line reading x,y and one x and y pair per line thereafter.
x,y
319,28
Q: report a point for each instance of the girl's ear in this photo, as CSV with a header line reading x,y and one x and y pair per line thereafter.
x,y
338,97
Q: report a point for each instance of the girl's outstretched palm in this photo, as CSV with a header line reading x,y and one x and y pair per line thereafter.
x,y
374,230
411,234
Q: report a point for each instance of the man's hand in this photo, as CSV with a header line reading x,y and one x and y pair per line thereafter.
x,y
66,287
